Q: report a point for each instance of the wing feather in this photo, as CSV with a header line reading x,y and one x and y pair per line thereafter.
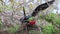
x,y
41,7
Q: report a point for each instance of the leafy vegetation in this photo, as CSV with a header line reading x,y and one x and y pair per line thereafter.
x,y
0,23
12,30
16,6
41,16
49,28
50,17
57,20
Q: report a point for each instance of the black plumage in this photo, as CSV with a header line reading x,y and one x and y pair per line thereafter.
x,y
36,11
41,7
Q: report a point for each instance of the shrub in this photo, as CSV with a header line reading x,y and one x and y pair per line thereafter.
x,y
50,17
57,20
13,30
47,29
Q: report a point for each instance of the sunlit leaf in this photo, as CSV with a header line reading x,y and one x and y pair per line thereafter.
x,y
30,5
8,7
12,2
20,8
17,3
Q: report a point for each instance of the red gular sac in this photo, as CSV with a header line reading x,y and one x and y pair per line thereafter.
x,y
32,22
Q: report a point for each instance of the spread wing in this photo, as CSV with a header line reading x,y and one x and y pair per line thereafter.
x,y
37,10
41,7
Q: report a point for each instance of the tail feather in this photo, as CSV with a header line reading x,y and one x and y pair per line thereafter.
x,y
51,2
42,7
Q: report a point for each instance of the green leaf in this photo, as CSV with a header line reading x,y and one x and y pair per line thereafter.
x,y
57,20
12,30
50,17
48,29
8,7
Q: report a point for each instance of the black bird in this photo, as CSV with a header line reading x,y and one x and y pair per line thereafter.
x,y
36,11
